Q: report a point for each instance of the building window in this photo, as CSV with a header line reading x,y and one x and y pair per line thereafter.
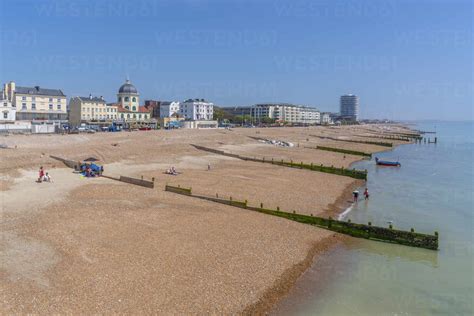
x,y
134,99
23,98
127,99
59,106
127,107
50,99
33,106
134,108
5,115
59,100
122,115
23,106
120,99
5,103
50,106
128,115
139,116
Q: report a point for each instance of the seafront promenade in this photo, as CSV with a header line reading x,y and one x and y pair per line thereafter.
x,y
115,247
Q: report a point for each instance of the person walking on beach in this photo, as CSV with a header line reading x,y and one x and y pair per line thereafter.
x,y
356,195
366,194
209,167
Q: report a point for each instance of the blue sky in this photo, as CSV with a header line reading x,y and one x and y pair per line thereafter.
x,y
405,59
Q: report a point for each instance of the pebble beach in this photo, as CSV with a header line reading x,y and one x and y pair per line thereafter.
x,y
94,245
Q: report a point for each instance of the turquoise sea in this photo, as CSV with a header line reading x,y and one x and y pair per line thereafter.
x,y
432,191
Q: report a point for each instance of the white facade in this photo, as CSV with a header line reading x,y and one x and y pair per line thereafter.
x,y
7,111
197,110
200,124
326,118
169,109
285,112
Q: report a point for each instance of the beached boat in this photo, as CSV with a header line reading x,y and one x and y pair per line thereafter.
x,y
387,163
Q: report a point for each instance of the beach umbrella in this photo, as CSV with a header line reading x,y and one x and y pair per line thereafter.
x,y
91,159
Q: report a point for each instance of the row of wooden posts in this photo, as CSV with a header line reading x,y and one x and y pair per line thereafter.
x,y
391,235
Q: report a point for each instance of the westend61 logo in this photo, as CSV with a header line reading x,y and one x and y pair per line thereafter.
x,y
335,8
98,8
221,89
102,62
218,38
314,63
18,38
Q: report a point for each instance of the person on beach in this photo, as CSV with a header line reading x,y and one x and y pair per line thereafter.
x,y
41,174
208,167
366,194
47,177
356,195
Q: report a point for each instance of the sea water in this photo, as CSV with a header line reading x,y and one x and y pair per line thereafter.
x,y
431,191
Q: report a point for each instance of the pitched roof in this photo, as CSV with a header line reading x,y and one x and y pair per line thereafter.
x,y
94,99
141,109
39,91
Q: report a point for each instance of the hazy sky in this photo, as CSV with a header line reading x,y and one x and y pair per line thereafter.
x,y
405,59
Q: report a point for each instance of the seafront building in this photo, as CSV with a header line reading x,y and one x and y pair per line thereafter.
x,y
153,106
36,103
169,109
349,107
170,114
91,110
8,111
326,118
285,112
128,105
197,110
238,110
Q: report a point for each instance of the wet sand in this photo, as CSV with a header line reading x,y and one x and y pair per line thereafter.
x,y
99,246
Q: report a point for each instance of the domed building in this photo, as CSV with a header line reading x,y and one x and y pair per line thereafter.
x,y
128,96
128,102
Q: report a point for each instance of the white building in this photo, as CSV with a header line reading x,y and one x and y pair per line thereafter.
x,y
36,103
349,107
197,110
91,109
7,110
285,112
169,109
326,118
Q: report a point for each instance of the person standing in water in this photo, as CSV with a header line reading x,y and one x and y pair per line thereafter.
x,y
366,193
356,195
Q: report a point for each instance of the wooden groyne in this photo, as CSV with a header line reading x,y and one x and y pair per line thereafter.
x,y
141,182
343,151
353,173
390,235
69,163
384,144
403,139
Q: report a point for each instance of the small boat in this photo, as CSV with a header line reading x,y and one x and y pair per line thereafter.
x,y
387,163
